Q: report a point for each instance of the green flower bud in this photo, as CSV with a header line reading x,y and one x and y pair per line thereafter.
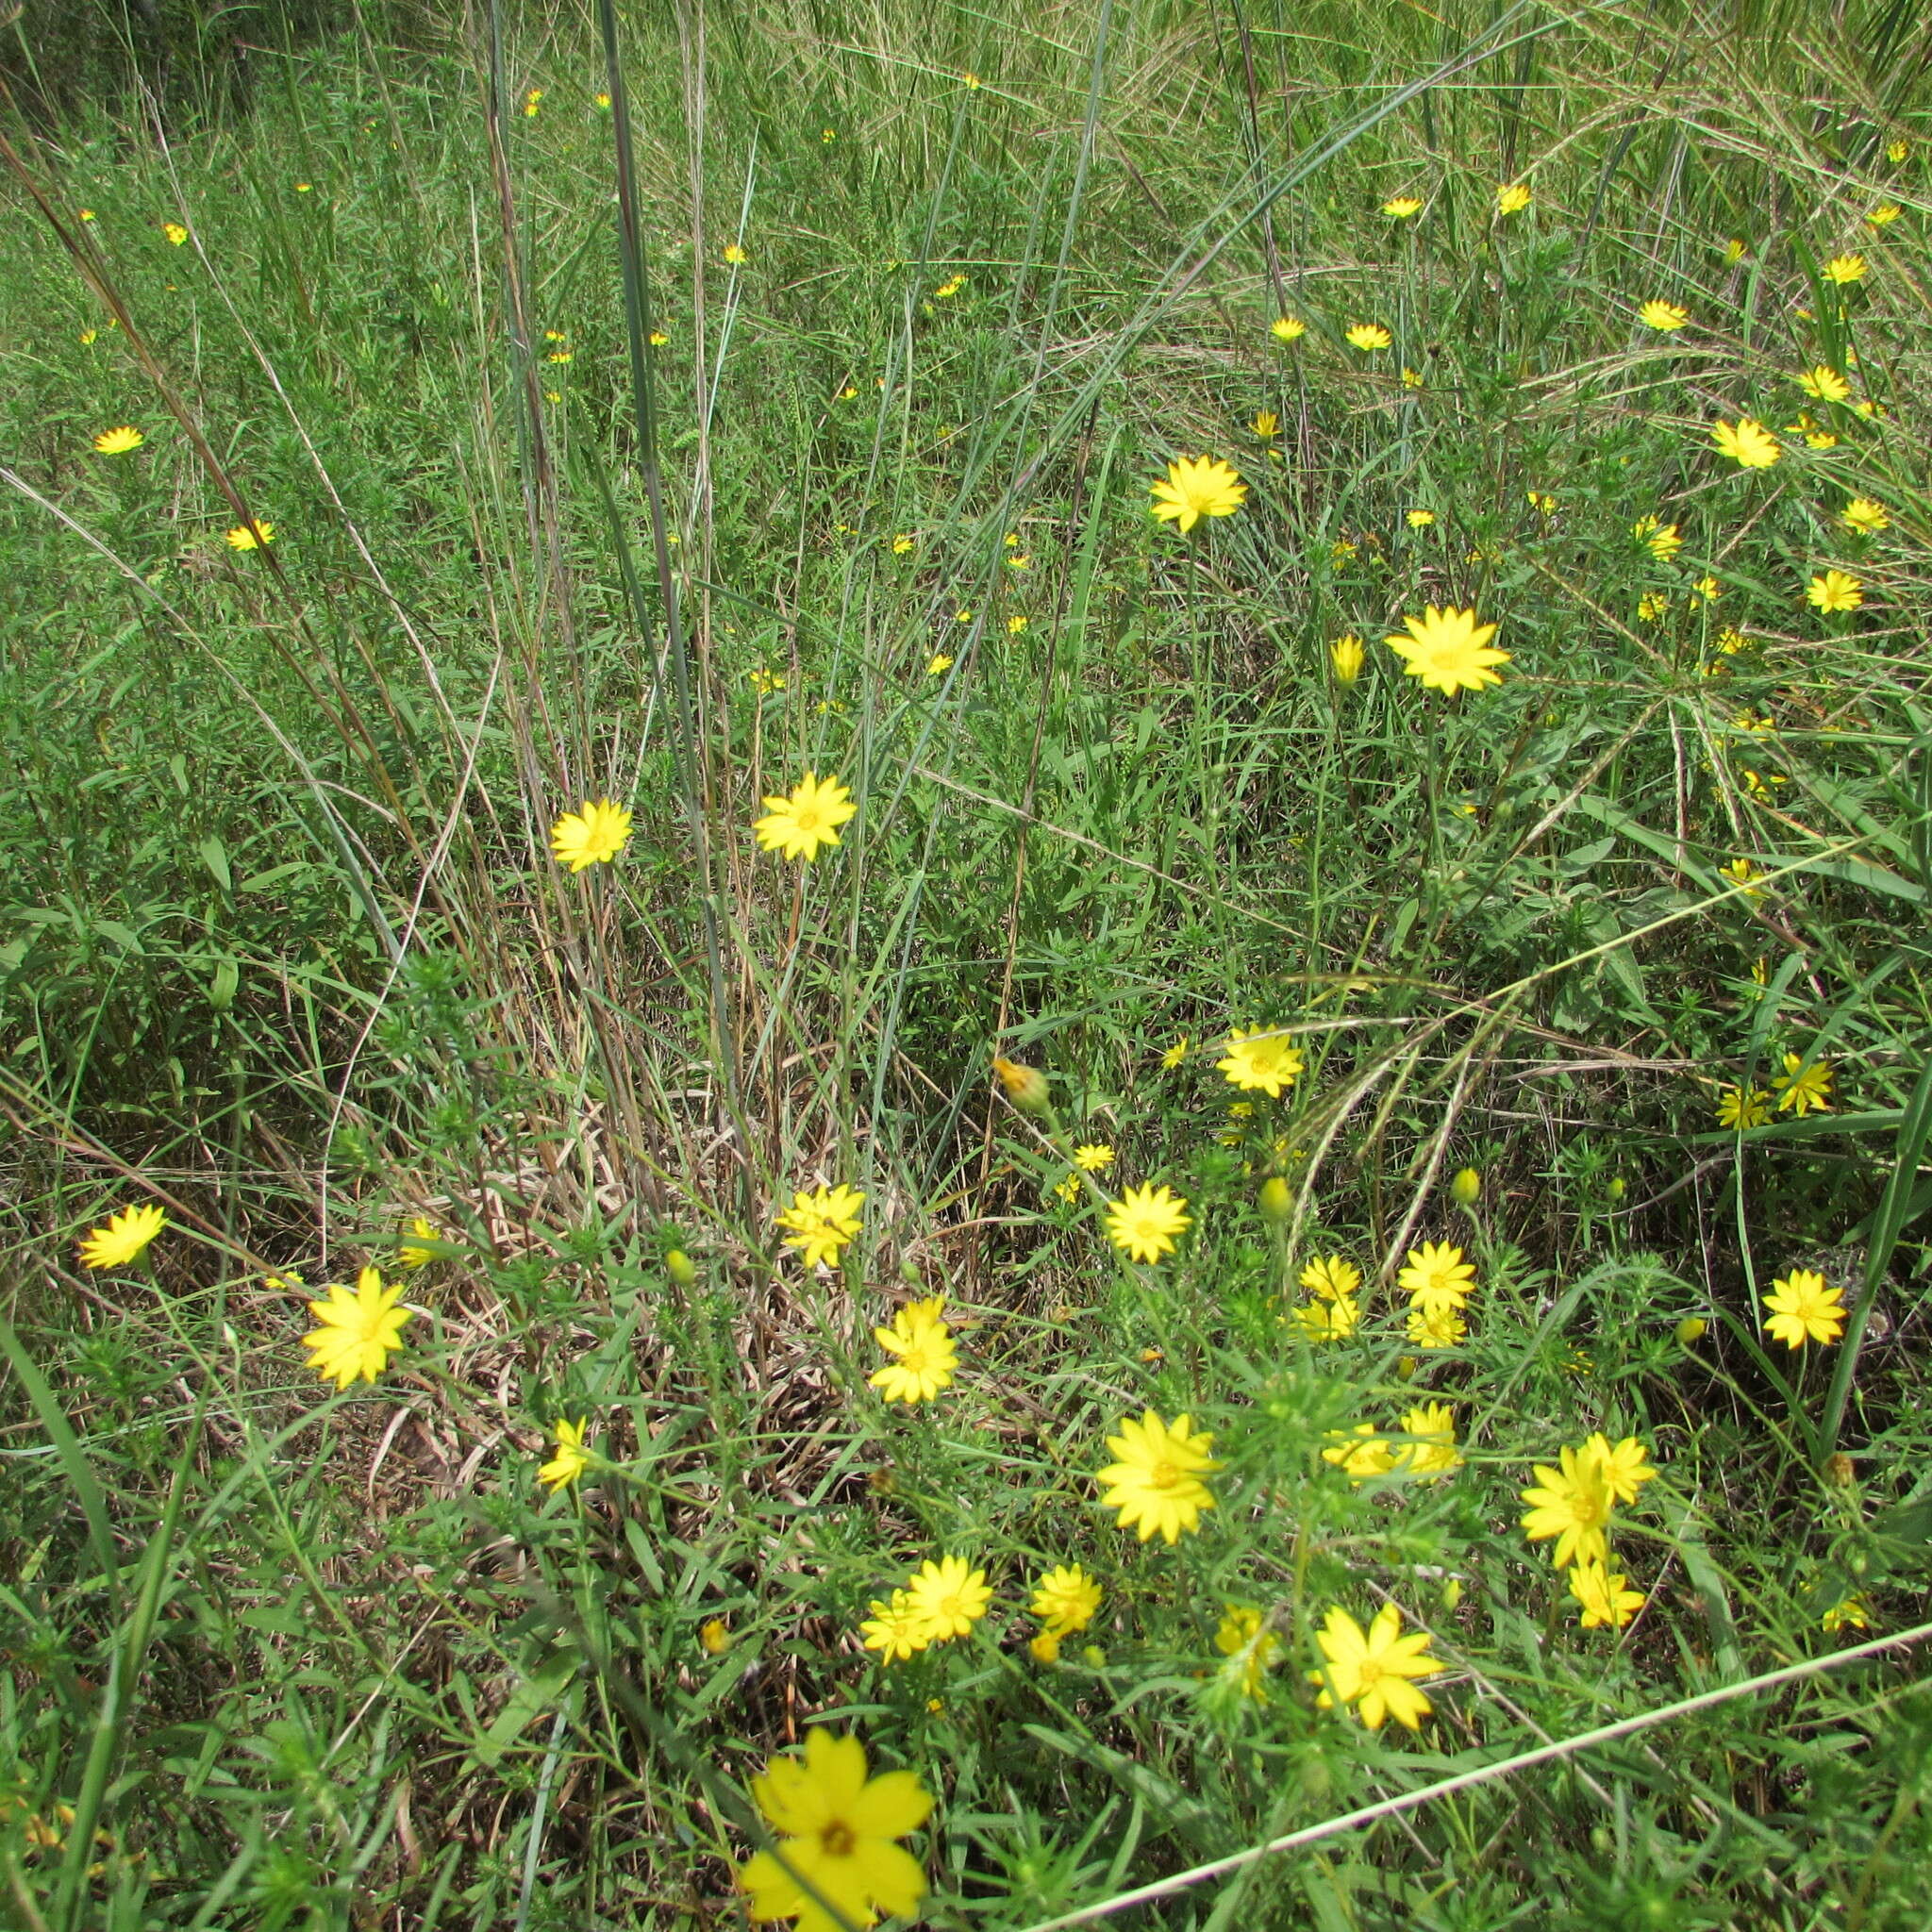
x,y
1465,1190
1276,1200
1691,1331
680,1267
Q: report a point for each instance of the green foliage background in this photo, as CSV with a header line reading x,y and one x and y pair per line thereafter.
x,y
282,948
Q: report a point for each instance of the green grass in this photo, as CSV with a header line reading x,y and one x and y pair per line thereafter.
x,y
283,950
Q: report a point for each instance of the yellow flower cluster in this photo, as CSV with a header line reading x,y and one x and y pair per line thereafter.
x,y
1575,1503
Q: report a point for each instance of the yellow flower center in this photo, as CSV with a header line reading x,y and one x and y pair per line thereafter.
x,y
1368,1674
913,1361
838,1840
808,818
1163,1476
950,1609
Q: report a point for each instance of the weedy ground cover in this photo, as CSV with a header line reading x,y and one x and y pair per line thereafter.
x,y
966,964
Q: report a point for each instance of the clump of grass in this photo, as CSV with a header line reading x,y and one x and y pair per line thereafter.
x,y
1065,952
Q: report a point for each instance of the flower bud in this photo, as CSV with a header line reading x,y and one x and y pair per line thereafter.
x,y
680,1267
1345,653
1026,1086
1046,1648
1452,1592
1465,1190
716,1637
1617,1188
1837,1469
1093,1657
1691,1330
1276,1200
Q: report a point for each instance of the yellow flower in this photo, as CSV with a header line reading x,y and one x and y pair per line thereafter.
x,y
1341,552
821,1222
117,443
1624,1467
948,289
1602,1597
1737,1109
923,1344
1420,518
765,681
1734,248
1066,1600
89,336
736,256
1345,653
1411,378
949,1596
1541,501
1373,1669
901,544
570,1461
1741,872
1175,1055
595,834
1845,269
1437,1276
1240,1635
1804,1309
1802,1089
1198,487
421,1248
1571,1503
1093,1157
1896,151
1403,207
1431,1449
255,536
1142,1224
894,1629
123,1237
1706,589
939,665
1448,650
1864,516
1435,1325
1266,425
1360,1453
658,339
798,825
1331,1277
1852,1612
1015,625
1747,442
1070,1189
1663,540
1665,317
1260,1061
1288,328
1652,605
1824,382
715,1635
1025,1085
1328,1321
358,1332
1886,211
1834,590
835,1826
1043,1647
1155,1483
1512,197
531,103
1368,335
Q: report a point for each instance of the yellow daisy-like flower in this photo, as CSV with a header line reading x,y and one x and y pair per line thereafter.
x,y
123,1237
358,1332
926,1356
1834,590
1330,1321
532,101
1261,1059
1016,623
1240,1635
1803,1088
658,339
1541,501
821,1222
1155,1484
570,1461
1347,657
1650,606
1803,1308
1436,1326
1145,1221
251,536
1437,1276
1360,1453
1602,1597
1366,337
1747,442
1093,1157
1331,1277
835,1826
949,1596
902,544
1737,1109
809,817
1512,197
949,288
1852,1613
117,443
1663,540
1374,1669
1288,328
1823,382
1667,318
894,1629
1172,1057
1845,269
1734,248
1403,207
1625,1465
939,665
1895,151
1431,1450
1864,516
595,834
1572,1503
1266,425
419,1248
1885,212
1198,487
736,256
1449,651
1420,519
1066,1600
